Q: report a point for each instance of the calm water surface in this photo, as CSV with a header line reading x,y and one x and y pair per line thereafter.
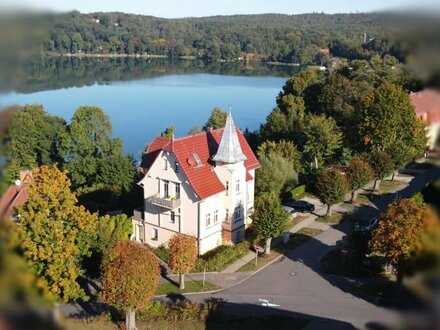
x,y
141,109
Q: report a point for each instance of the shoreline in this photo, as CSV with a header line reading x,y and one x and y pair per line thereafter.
x,y
153,56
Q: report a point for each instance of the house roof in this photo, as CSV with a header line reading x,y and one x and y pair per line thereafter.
x,y
15,196
194,154
427,105
229,149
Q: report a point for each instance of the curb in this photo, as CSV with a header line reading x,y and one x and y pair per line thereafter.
x,y
235,284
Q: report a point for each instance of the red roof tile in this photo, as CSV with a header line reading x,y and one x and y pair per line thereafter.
x,y
13,197
427,105
201,176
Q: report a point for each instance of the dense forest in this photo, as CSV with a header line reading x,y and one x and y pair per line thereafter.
x,y
270,37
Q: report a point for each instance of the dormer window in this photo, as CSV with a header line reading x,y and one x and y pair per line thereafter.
x,y
176,167
197,159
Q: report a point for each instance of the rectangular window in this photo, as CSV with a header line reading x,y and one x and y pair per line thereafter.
x,y
172,217
215,216
208,219
177,188
237,186
165,164
237,214
166,188
227,188
176,167
226,215
154,234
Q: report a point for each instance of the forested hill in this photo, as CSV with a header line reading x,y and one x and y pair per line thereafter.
x,y
270,37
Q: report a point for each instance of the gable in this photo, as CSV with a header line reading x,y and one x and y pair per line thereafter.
x,y
194,153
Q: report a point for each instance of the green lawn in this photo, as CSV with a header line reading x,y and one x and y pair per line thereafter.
x,y
335,218
190,286
387,186
295,240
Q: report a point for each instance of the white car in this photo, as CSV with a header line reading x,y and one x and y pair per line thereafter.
x,y
290,210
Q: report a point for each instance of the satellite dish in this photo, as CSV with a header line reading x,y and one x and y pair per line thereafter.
x,y
17,182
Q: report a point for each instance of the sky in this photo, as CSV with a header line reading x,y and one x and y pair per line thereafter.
x,y
198,8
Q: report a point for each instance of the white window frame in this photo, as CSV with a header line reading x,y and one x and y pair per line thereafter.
x,y
154,234
215,217
208,219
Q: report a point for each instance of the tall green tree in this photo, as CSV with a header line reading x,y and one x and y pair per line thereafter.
x,y
277,174
55,234
388,120
322,138
217,119
117,171
359,173
130,279
88,142
331,187
182,256
285,121
382,165
269,218
285,149
33,137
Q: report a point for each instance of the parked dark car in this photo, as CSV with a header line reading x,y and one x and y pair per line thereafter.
x,y
302,206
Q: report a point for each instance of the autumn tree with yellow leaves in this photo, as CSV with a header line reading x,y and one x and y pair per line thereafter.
x,y
401,234
183,255
55,233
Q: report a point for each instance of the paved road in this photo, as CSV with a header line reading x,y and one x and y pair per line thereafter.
x,y
295,284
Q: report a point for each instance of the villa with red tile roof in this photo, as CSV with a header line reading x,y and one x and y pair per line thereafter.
x,y
200,185
427,107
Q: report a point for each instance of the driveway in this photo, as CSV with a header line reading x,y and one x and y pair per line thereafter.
x,y
296,285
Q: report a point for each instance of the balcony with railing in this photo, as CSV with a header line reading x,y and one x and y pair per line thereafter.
x,y
170,203
138,213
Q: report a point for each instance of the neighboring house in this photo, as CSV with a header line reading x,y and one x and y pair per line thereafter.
x,y
200,185
15,196
427,107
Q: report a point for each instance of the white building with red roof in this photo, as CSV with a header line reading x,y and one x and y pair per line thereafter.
x,y
200,185
427,107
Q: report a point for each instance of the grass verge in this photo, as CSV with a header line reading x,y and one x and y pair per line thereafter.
x,y
295,240
335,218
190,286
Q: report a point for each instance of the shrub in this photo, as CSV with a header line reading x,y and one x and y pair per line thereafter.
x,y
298,192
162,252
220,257
182,310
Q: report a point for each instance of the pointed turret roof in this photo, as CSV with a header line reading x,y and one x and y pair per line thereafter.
x,y
229,150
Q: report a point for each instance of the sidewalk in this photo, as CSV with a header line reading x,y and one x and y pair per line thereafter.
x,y
310,222
307,222
230,275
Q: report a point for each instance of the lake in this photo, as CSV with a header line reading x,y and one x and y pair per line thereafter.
x,y
142,97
